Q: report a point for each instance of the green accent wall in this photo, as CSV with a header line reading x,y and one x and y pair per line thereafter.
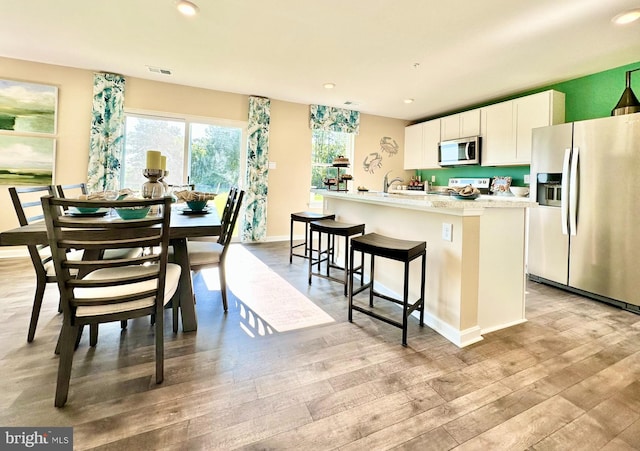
x,y
586,97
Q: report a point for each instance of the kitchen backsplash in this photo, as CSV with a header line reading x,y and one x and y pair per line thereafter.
x,y
516,173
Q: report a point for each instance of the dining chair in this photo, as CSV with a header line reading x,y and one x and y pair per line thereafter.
x,y
75,190
110,290
26,202
210,254
78,189
72,190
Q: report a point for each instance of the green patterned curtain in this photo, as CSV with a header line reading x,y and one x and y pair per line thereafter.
x,y
332,119
107,132
255,223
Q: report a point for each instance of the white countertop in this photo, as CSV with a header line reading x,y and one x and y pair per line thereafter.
x,y
422,201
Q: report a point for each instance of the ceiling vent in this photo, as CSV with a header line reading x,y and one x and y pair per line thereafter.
x,y
157,70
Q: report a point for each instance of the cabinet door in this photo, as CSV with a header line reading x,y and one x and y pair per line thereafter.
x,y
450,127
498,138
431,139
469,123
413,145
531,112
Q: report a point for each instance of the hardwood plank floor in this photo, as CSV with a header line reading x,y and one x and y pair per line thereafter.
x,y
567,379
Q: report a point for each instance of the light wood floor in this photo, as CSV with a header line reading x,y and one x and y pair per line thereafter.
x,y
567,379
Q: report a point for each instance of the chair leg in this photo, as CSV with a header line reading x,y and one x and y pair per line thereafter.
x,y
291,242
78,336
159,346
93,335
223,286
35,311
174,311
69,335
123,324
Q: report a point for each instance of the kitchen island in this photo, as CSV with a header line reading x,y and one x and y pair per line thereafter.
x,y
475,255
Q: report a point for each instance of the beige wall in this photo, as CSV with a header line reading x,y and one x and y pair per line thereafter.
x,y
290,137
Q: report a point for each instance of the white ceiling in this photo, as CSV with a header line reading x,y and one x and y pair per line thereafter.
x,y
469,51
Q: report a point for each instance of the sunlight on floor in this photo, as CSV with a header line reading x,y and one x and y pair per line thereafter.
x,y
268,303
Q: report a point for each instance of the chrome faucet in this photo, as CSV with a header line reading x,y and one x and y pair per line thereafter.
x,y
386,183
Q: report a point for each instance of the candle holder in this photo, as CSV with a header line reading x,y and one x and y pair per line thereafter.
x,y
161,180
153,188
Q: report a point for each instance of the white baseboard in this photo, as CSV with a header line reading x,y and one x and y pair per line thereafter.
x,y
487,330
14,252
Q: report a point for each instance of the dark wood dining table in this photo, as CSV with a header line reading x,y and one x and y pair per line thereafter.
x,y
183,226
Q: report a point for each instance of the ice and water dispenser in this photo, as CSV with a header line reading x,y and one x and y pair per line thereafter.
x,y
549,189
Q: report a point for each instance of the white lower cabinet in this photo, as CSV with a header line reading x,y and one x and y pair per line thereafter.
x,y
421,145
507,126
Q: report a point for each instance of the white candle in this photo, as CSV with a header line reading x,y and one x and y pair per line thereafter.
x,y
153,159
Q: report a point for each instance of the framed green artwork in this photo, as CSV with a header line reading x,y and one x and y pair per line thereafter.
x,y
27,160
28,107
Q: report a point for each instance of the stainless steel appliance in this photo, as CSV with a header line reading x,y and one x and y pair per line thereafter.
x,y
459,152
584,235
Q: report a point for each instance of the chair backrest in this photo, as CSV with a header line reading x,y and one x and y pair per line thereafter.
x,y
26,202
129,279
72,190
230,215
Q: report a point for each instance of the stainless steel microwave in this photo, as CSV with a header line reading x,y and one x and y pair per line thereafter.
x,y
459,152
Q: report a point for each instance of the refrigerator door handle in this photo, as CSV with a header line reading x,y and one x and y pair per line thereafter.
x,y
564,190
573,192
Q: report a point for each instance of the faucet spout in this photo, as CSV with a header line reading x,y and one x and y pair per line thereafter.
x,y
386,183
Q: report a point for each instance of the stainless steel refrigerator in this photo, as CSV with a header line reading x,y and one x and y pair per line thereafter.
x,y
585,234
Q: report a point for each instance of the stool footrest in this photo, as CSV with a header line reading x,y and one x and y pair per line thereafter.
x,y
377,316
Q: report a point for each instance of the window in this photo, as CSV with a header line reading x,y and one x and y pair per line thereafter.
x,y
206,152
325,146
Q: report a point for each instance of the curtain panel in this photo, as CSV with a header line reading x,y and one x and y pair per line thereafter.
x,y
107,132
255,222
332,119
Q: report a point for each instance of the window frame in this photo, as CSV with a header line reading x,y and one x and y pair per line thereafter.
x,y
316,199
187,120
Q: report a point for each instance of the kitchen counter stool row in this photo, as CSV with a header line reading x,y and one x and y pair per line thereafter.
x,y
323,252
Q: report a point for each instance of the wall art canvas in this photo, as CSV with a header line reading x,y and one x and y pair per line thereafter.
x,y
27,107
26,160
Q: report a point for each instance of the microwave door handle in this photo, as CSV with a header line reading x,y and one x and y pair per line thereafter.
x,y
564,190
573,192
466,151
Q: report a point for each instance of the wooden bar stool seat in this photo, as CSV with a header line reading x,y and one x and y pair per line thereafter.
x,y
404,251
332,229
305,217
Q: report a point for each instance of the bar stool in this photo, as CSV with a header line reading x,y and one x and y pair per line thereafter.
x,y
400,250
306,217
332,229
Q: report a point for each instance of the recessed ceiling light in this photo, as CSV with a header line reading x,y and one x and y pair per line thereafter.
x,y
187,8
329,85
408,100
627,17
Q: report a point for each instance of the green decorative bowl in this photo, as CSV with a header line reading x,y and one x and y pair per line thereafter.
x,y
132,213
87,209
197,205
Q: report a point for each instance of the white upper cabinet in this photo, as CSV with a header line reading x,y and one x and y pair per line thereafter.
x,y
413,146
498,138
507,127
421,145
460,125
